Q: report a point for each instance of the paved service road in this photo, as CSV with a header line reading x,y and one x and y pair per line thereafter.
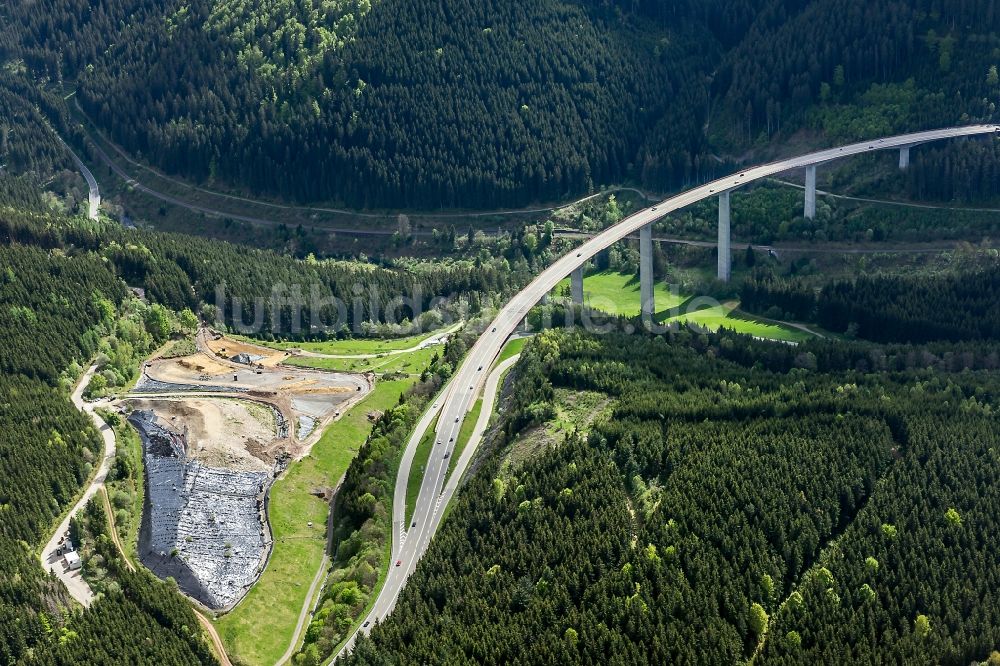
x,y
430,341
73,581
461,392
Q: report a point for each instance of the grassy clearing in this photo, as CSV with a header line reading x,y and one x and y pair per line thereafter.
x,y
410,363
574,410
260,628
727,316
420,458
178,348
126,493
356,346
618,293
511,348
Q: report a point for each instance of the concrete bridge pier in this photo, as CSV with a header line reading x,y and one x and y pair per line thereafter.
x,y
94,205
904,157
576,286
725,258
810,205
647,304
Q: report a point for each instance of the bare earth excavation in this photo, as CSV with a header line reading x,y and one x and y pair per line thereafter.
x,y
218,427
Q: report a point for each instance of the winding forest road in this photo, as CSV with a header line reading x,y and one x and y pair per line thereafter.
x,y
880,247
74,582
113,529
468,380
890,202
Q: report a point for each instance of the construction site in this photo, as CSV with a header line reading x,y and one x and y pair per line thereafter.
x,y
218,427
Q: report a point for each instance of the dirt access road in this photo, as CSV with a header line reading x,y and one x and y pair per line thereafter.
x,y
213,635
73,580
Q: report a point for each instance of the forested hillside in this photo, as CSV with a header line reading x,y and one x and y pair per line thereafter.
x,y
461,103
64,302
961,305
743,499
275,295
53,311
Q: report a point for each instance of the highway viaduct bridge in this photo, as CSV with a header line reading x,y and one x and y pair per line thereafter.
x,y
410,541
724,186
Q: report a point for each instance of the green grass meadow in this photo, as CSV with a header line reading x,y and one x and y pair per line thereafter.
x,y
260,628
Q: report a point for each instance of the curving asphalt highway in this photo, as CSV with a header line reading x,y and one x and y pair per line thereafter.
x,y
462,391
94,196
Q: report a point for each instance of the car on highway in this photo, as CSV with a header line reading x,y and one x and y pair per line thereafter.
x,y
399,563
413,524
447,453
494,330
456,419
435,405
367,622
480,369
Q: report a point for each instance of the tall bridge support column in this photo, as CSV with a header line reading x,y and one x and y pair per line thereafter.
x,y
904,157
725,258
810,206
93,205
576,286
647,304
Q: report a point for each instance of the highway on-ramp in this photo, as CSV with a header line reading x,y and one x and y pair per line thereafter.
x,y
463,389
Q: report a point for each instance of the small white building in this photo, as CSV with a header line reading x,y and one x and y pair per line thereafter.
x,y
72,561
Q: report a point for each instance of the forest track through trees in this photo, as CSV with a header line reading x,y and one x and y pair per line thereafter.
x,y
98,142
51,560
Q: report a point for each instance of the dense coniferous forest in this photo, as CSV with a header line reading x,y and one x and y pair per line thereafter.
x,y
181,271
887,308
965,172
27,143
743,499
51,319
461,103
